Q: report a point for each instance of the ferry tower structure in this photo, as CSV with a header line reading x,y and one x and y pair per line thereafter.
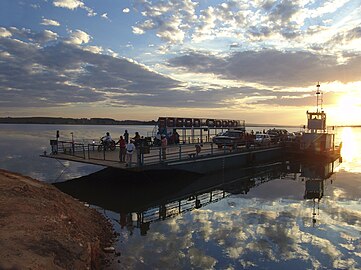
x,y
317,139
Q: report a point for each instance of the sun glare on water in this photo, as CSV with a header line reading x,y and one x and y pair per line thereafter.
x,y
350,150
348,110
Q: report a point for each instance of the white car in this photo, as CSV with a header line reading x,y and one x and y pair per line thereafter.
x,y
262,139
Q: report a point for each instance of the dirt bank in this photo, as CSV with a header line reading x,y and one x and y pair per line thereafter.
x,y
43,228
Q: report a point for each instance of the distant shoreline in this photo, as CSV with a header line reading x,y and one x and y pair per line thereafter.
x,y
109,121
97,121
72,121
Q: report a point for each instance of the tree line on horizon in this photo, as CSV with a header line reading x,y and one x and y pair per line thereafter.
x,y
103,121
72,121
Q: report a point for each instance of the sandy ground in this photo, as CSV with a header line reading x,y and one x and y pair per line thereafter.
x,y
43,228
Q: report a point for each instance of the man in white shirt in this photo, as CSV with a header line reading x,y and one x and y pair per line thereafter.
x,y
130,148
106,139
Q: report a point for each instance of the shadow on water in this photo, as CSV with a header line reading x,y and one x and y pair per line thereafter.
x,y
124,191
157,195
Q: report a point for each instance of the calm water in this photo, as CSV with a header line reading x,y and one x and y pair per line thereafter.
x,y
284,215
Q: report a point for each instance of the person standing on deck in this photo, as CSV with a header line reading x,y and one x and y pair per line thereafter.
x,y
126,136
136,139
122,145
163,145
130,148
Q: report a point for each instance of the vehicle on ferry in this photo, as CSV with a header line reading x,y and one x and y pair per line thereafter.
x,y
277,135
262,139
231,138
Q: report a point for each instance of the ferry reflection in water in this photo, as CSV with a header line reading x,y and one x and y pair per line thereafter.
x,y
260,217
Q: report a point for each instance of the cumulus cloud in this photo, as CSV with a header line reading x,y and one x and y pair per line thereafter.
x,y
70,4
27,35
78,37
74,4
354,33
50,22
271,67
93,49
63,73
170,19
48,35
47,74
272,24
4,32
45,62
328,7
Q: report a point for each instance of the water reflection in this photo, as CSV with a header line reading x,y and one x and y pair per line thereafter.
x,y
21,146
141,202
259,218
274,216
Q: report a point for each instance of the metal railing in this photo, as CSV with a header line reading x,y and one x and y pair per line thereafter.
x,y
148,154
180,206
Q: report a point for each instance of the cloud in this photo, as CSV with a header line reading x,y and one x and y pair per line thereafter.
x,y
74,4
4,32
283,11
170,19
35,6
78,37
258,24
64,73
105,16
271,67
27,35
69,4
41,69
47,36
50,22
93,49
144,26
354,33
328,7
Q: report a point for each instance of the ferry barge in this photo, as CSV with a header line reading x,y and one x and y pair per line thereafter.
x,y
195,148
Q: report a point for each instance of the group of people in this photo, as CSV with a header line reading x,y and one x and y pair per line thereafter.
x,y
171,137
127,147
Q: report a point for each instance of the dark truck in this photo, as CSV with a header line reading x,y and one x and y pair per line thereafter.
x,y
231,138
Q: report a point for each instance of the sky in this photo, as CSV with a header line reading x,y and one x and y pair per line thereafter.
x,y
258,61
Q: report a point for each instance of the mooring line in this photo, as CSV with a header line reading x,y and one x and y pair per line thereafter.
x,y
62,172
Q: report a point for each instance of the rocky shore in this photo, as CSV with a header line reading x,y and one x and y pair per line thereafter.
x,y
43,228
